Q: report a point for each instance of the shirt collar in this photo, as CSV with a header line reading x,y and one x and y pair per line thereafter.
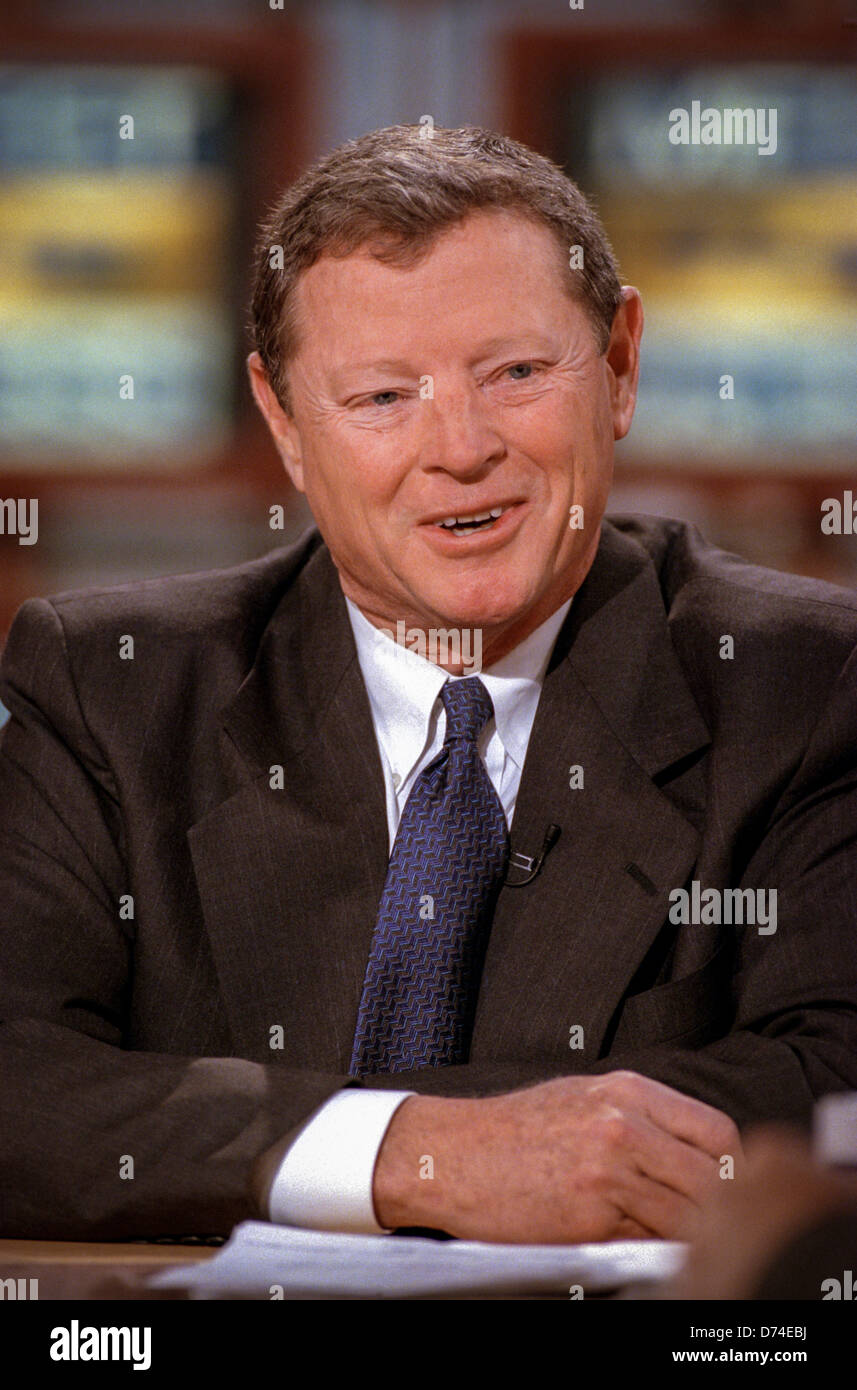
x,y
515,683
404,687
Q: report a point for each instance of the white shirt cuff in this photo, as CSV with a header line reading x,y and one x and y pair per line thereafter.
x,y
325,1180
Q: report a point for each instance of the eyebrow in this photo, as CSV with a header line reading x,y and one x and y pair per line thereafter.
x,y
521,342
525,339
380,364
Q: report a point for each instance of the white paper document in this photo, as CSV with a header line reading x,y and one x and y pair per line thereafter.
x,y
260,1257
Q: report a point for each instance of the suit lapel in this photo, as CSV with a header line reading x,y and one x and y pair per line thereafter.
x,y
290,876
615,704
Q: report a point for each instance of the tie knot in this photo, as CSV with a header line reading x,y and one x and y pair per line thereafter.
x,y
468,708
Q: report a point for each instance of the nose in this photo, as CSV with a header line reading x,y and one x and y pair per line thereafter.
x,y
459,435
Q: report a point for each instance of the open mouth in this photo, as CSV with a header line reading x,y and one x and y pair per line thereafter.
x,y
466,525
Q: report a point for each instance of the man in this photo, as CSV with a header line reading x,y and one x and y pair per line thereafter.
x,y
298,921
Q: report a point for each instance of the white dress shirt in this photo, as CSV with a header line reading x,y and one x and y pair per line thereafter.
x,y
325,1179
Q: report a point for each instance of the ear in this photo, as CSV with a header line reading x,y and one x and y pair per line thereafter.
x,y
284,431
623,359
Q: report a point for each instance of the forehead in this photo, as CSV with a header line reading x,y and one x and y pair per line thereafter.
x,y
493,269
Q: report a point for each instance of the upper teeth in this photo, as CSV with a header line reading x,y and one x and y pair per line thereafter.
x,y
479,516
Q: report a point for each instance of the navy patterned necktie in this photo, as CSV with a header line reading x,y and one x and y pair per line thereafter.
x,y
445,871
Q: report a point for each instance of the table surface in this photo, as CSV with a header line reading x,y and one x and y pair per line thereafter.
x,y
68,1269
82,1252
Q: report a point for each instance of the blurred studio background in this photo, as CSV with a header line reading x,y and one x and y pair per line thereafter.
x,y
140,141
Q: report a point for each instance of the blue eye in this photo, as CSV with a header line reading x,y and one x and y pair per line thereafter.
x,y
378,398
525,367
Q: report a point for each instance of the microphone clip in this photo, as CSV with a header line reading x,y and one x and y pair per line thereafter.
x,y
529,866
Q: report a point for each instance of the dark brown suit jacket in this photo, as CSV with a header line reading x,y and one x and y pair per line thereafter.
x,y
253,907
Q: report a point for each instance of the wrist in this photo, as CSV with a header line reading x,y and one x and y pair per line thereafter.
x,y
421,1167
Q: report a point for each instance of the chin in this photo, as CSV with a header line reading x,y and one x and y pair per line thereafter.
x,y
479,606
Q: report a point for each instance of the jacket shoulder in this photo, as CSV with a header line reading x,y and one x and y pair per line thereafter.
x,y
191,633
240,598
694,574
790,635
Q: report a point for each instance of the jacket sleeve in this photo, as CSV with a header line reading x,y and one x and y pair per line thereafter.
x,y
97,1140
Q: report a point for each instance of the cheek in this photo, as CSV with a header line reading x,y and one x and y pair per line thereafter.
x,y
354,494
562,422
558,451
347,474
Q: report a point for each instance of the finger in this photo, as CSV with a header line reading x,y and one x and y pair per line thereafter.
x,y
662,1210
649,1175
683,1116
673,1163
629,1229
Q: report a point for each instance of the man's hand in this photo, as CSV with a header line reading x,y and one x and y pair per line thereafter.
x,y
574,1159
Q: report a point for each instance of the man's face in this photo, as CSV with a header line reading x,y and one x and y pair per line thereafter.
x,y
467,384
